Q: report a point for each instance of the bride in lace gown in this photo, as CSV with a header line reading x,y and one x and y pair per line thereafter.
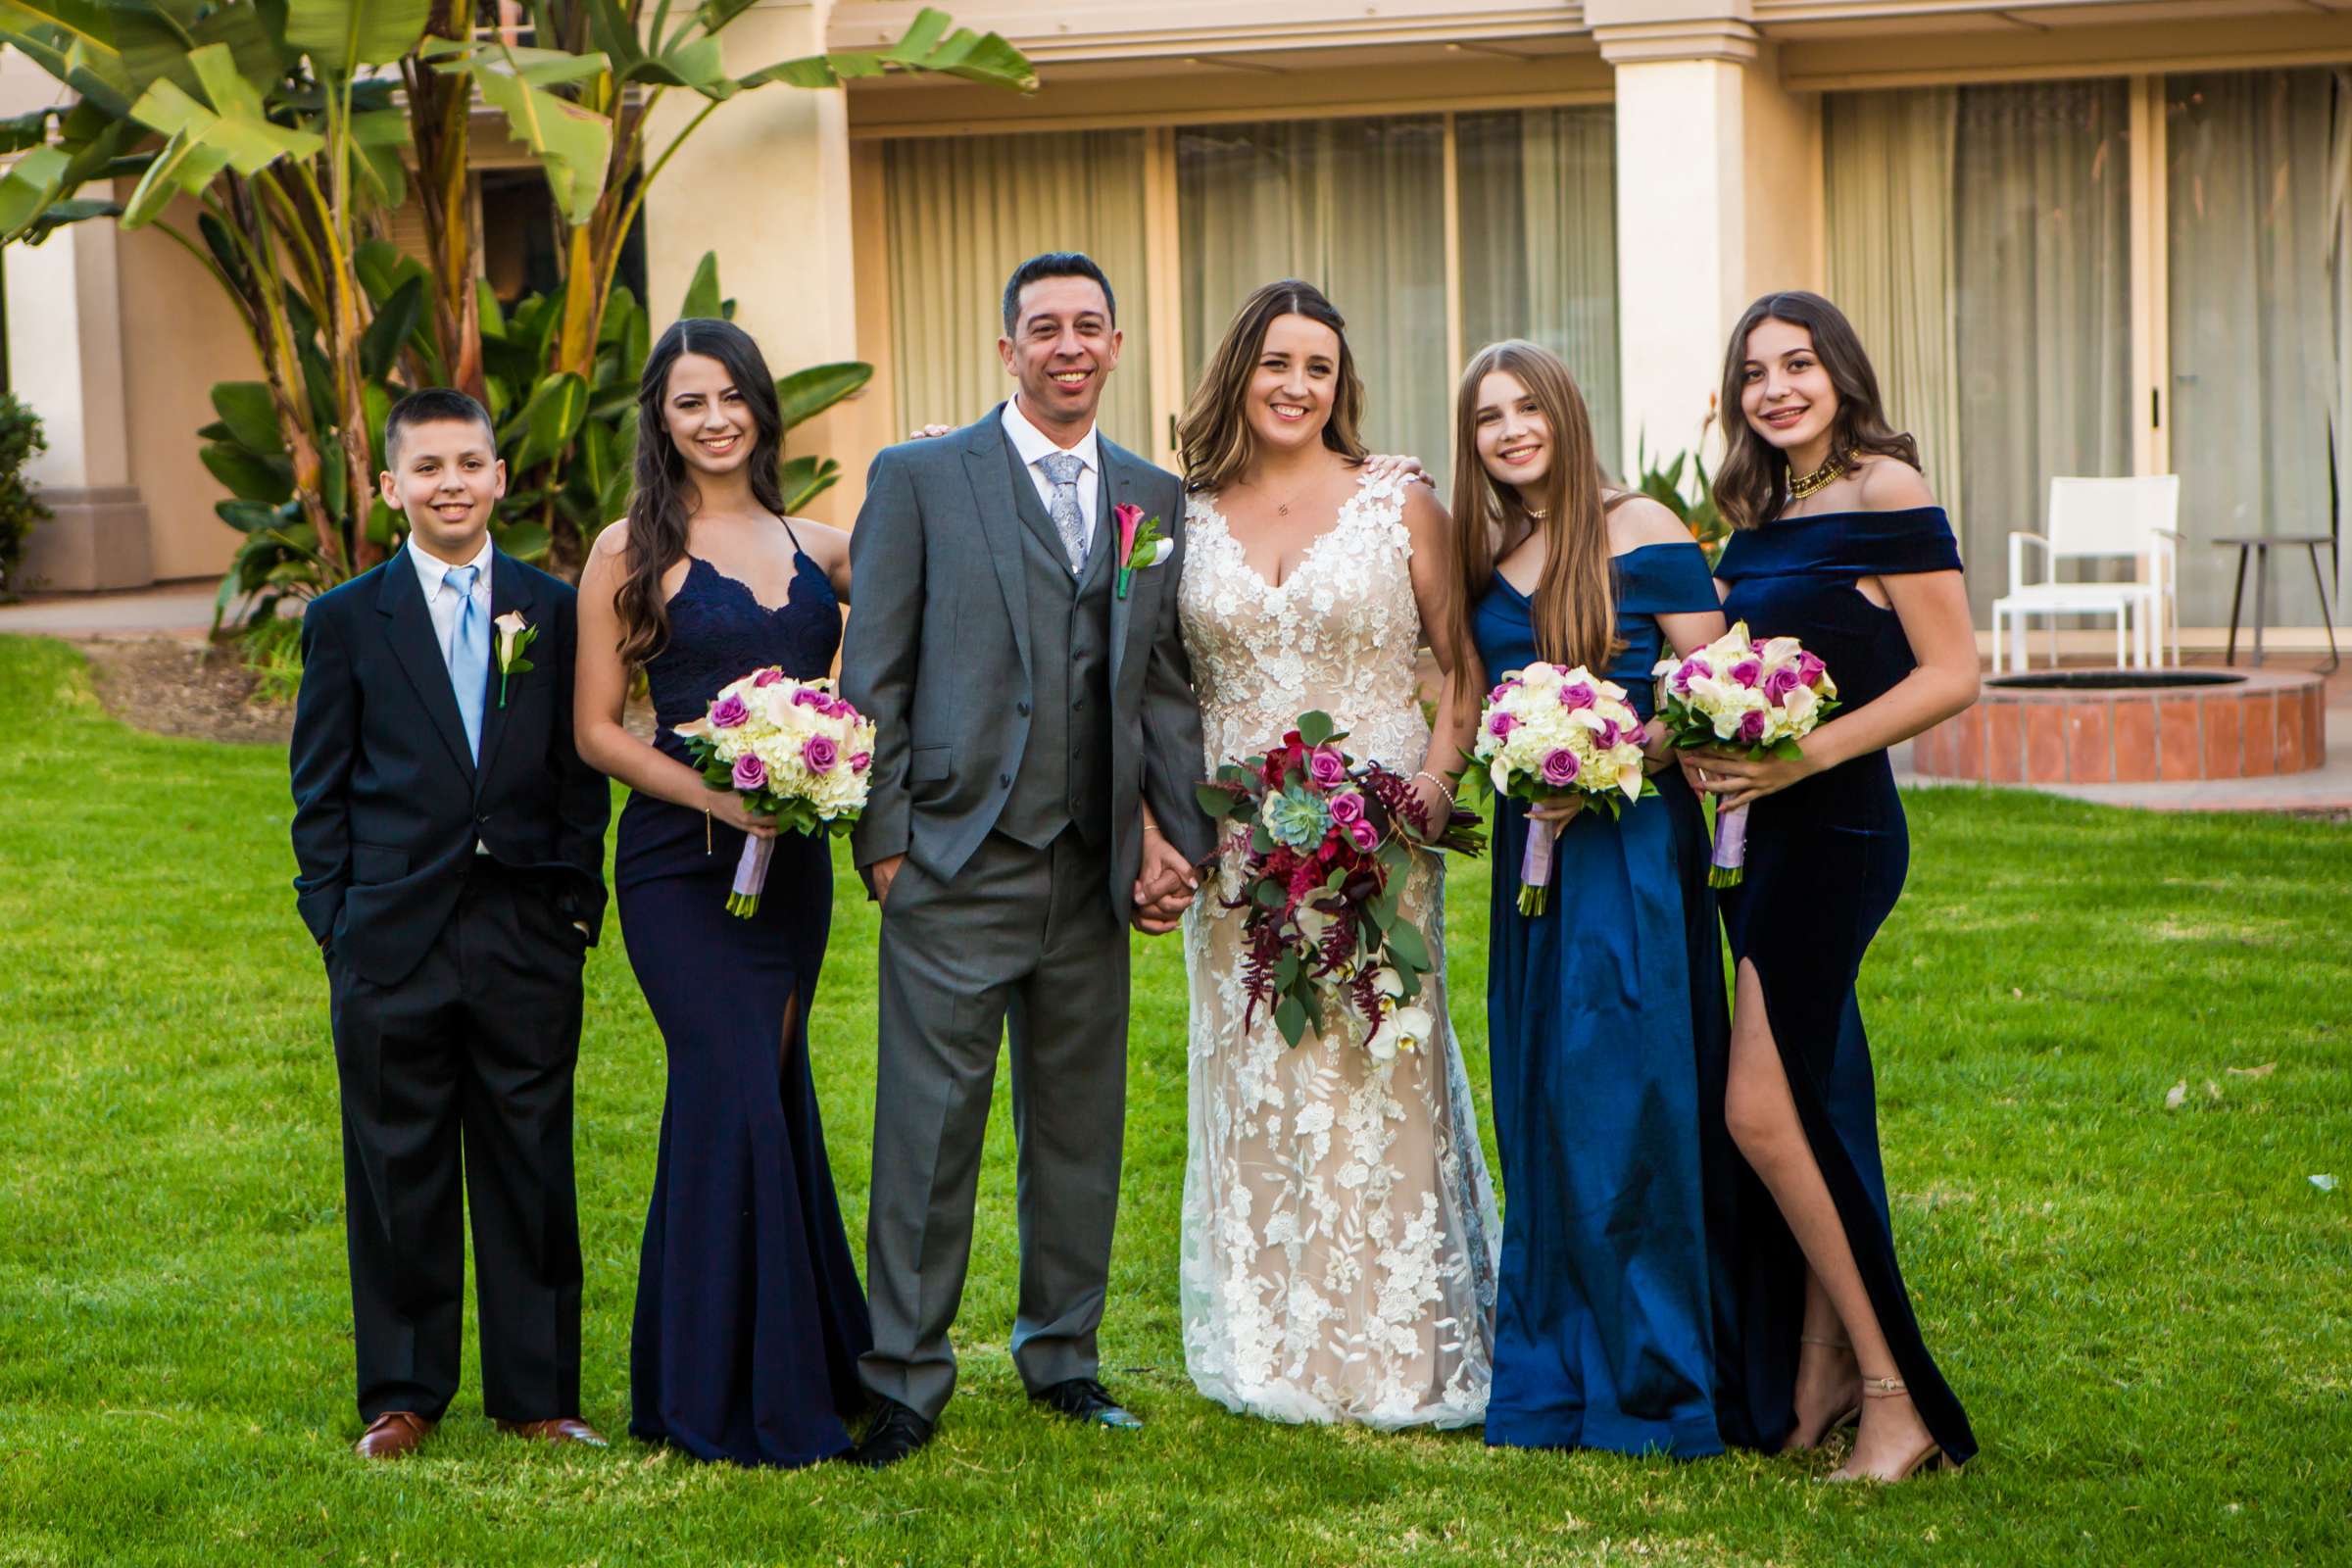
x,y
1338,1233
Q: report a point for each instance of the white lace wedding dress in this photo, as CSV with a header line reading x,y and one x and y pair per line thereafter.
x,y
1340,1233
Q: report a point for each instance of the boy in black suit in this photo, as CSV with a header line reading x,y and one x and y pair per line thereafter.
x,y
450,843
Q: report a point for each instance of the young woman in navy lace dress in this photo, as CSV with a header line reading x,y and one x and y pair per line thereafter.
x,y
1840,545
749,1320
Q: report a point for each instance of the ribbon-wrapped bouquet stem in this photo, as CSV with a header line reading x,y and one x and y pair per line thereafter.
x,y
1551,734
1326,844
1749,699
795,751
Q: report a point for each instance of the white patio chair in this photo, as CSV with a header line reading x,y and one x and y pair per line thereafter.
x,y
2099,520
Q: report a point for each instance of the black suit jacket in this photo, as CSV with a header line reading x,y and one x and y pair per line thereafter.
x,y
387,803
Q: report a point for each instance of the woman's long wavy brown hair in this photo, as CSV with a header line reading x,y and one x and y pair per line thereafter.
x,y
1753,482
1575,604
1216,436
665,499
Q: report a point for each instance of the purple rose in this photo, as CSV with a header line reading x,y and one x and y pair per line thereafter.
x,y
1781,682
1365,836
1607,735
820,753
1751,727
751,773
1502,725
1347,808
1809,669
1577,694
728,711
1326,767
1510,684
1748,671
859,761
1693,669
1560,767
768,676
808,696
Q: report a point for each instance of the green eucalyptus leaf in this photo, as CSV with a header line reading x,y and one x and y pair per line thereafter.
x,y
1289,1016
1315,728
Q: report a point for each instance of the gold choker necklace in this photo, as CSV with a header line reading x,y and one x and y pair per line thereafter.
x,y
1809,484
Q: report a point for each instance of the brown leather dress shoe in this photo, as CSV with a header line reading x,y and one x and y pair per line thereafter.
x,y
556,1429
391,1435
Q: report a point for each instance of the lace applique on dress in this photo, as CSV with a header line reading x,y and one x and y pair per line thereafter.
x,y
1340,1240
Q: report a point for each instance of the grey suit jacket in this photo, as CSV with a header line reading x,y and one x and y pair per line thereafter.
x,y
937,653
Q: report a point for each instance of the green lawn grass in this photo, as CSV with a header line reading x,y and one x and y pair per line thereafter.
x,y
2146,1308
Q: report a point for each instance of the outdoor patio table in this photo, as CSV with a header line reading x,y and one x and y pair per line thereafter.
x,y
2258,545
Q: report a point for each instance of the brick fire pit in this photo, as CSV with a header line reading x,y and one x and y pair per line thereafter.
x,y
2132,726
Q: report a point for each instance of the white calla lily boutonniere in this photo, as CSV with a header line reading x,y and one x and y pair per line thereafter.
x,y
515,636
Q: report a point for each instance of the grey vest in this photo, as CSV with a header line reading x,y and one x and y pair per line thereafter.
x,y
1064,778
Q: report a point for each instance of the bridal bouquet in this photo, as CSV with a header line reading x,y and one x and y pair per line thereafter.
x,y
1735,696
1325,858
793,751
1548,733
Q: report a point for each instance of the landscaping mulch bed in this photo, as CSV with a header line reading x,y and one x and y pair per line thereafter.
x,y
168,686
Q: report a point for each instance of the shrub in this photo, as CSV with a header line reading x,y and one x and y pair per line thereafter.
x,y
20,509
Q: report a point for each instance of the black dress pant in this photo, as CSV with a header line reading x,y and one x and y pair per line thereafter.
x,y
466,1066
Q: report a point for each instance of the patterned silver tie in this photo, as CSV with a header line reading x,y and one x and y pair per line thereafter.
x,y
1062,469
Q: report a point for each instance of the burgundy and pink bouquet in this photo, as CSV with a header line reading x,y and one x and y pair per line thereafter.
x,y
1327,844
793,751
1757,702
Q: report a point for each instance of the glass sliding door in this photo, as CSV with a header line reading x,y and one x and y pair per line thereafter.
x,y
2253,271
1539,243
963,212
1355,207
2043,325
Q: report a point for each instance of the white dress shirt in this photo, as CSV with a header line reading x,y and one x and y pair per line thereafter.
x,y
1031,444
431,572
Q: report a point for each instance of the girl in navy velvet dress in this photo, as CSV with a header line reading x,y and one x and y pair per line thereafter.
x,y
1838,544
1605,1013
749,1320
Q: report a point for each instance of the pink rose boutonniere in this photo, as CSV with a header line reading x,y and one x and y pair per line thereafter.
x,y
1142,545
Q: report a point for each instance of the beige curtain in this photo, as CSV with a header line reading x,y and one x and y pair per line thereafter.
x,y
2255,367
2043,274
963,212
1355,207
1539,244
1888,186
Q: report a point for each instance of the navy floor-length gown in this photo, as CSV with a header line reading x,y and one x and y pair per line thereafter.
x,y
749,1320
1826,860
1609,1036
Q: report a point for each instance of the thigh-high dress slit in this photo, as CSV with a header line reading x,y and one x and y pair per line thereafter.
x,y
1826,860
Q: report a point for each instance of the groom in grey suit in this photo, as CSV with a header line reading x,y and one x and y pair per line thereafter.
x,y
1038,747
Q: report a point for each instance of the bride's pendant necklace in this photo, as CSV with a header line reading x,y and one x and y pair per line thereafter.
x,y
1820,479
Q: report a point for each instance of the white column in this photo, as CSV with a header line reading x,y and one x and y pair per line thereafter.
x,y
766,183
1718,200
65,361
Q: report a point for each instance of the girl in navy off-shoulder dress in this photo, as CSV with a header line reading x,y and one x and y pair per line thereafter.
x,y
1605,1014
749,1320
1838,544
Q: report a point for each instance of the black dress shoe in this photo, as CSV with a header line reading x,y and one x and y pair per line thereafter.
x,y
1085,1399
895,1433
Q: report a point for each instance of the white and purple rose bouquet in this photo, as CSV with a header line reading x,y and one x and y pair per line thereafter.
x,y
1757,702
793,751
1548,734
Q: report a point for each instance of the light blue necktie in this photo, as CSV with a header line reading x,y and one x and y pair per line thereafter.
x,y
468,656
1061,471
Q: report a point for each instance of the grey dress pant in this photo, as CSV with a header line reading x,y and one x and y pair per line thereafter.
x,y
1026,938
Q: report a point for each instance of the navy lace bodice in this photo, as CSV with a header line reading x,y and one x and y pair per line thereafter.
x,y
719,631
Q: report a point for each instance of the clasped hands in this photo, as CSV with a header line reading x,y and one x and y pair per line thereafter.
x,y
1164,887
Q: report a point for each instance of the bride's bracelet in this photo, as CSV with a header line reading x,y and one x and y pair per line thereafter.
x,y
1442,788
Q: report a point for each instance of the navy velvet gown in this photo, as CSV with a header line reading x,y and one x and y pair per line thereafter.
x,y
1826,860
1609,1036
750,1319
